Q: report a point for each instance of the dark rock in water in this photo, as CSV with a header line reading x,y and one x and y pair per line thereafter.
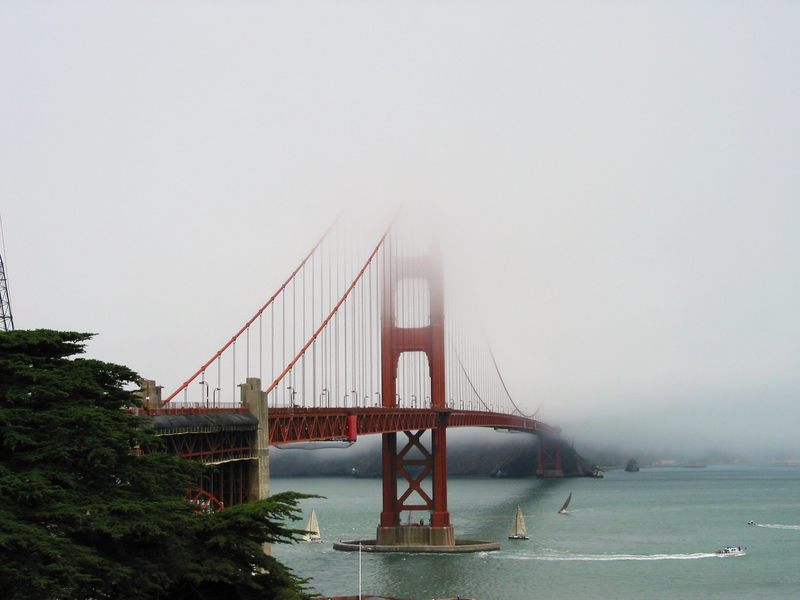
x,y
632,466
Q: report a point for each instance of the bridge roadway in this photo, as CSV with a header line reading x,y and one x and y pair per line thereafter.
x,y
287,425
290,425
233,439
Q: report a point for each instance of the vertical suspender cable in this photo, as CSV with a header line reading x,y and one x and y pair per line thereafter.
x,y
329,330
344,318
283,342
336,328
373,318
354,338
272,350
404,321
418,379
292,377
303,337
314,349
365,388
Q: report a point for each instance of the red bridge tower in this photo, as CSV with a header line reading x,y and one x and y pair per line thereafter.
x,y
396,340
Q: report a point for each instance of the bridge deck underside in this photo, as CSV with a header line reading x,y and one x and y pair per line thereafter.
x,y
289,425
228,441
308,425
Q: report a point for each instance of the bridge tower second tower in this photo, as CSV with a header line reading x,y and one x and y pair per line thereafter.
x,y
397,460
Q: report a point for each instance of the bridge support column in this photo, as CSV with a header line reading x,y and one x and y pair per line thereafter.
x,y
414,462
548,458
150,393
256,402
258,475
441,516
390,516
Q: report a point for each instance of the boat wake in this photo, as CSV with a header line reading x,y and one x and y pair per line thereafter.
x,y
775,526
613,557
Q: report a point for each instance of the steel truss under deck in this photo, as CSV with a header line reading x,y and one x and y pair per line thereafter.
x,y
288,425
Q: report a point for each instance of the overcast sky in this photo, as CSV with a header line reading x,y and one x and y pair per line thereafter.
x,y
616,182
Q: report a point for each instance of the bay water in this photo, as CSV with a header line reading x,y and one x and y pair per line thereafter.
x,y
650,534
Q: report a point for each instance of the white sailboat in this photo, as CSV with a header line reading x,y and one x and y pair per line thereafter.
x,y
312,527
563,509
518,529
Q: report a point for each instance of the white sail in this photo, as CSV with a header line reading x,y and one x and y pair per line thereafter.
x,y
519,528
312,527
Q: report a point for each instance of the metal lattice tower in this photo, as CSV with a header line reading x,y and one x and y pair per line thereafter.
x,y
6,320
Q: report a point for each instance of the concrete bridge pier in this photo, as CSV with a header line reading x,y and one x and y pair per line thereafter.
x,y
258,473
256,402
150,393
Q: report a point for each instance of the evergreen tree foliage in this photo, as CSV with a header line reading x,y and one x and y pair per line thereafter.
x,y
84,515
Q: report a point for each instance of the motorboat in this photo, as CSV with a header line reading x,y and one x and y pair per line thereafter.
x,y
730,551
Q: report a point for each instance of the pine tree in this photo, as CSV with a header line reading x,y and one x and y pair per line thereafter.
x,y
83,515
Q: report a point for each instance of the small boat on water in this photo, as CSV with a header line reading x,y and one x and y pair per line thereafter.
x,y
312,527
751,522
730,551
518,529
563,509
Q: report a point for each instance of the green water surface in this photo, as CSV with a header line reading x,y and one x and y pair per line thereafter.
x,y
649,534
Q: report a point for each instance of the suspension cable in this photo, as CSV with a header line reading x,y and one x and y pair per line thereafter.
x,y
502,381
233,339
330,316
469,381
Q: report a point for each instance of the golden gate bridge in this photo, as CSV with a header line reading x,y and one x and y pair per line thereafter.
x,y
349,347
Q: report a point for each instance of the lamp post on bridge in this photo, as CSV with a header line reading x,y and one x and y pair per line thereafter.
x,y
203,390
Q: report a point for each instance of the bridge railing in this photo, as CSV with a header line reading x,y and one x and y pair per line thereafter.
x,y
188,408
